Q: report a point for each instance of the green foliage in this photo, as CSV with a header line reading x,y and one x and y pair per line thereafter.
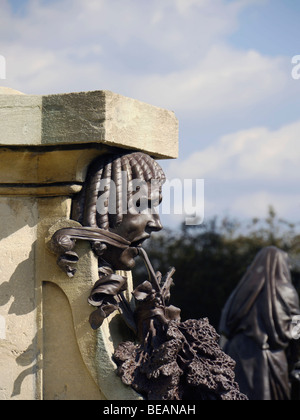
x,y
211,259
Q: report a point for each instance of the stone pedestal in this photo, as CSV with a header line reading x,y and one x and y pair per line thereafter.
x,y
47,348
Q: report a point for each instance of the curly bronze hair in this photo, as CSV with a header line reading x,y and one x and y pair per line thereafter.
x,y
137,166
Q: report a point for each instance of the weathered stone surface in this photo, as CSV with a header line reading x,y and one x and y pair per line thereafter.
x,y
19,300
94,349
100,117
44,173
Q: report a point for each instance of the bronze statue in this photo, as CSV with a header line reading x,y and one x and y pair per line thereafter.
x,y
117,210
257,321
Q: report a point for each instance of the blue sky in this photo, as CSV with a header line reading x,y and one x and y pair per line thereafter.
x,y
272,28
223,66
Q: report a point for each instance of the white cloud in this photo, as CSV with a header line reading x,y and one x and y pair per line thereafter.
x,y
256,204
223,80
171,26
170,53
257,154
247,171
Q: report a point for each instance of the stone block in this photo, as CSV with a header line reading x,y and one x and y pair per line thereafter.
x,y
100,117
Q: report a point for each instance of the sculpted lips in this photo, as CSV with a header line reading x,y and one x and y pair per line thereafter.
x,y
138,242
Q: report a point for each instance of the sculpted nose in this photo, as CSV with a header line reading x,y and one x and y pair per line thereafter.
x,y
154,225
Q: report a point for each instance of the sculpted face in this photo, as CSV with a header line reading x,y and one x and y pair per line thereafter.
x,y
137,226
120,195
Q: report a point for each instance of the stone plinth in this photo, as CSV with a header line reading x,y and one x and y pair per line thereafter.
x,y
100,117
47,348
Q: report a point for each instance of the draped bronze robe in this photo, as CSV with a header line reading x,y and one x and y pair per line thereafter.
x,y
257,323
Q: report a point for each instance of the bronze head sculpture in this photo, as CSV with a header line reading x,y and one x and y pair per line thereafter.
x,y
257,322
120,195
